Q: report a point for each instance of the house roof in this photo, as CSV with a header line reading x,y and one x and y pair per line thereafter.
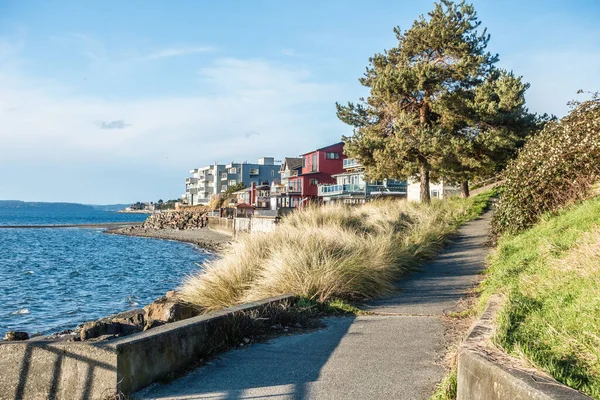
x,y
291,163
323,148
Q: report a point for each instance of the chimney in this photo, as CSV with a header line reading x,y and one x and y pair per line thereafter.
x,y
252,193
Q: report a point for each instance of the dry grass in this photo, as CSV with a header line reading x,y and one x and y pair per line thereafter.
x,y
322,253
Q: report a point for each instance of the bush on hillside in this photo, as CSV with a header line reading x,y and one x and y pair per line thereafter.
x,y
556,168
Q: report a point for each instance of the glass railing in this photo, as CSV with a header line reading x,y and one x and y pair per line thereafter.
x,y
351,162
328,190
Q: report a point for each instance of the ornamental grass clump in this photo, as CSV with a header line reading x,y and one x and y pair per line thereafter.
x,y
323,253
557,167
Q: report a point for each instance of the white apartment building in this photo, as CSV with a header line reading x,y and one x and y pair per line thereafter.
x,y
213,179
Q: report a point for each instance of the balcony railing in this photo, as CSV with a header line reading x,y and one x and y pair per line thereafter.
x,y
351,163
191,180
331,190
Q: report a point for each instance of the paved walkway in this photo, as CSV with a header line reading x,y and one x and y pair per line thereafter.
x,y
394,354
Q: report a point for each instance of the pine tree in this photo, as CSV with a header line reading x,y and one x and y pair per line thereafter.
x,y
489,123
400,130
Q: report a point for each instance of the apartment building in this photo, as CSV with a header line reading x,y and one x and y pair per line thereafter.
x,y
213,179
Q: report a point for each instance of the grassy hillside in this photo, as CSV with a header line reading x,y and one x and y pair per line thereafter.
x,y
324,253
550,275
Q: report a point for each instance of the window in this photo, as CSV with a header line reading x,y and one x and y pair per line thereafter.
x,y
314,181
224,175
272,172
232,170
314,163
232,182
332,156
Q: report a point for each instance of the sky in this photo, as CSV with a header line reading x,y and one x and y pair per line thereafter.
x,y
116,101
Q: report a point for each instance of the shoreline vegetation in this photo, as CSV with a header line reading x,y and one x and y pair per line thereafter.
x,y
333,253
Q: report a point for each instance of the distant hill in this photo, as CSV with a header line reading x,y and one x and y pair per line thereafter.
x,y
110,207
45,206
39,205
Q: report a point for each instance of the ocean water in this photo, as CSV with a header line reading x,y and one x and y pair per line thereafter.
x,y
53,279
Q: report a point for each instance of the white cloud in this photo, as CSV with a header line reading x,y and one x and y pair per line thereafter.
x,y
242,110
179,51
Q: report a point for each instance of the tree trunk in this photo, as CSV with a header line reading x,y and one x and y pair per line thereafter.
x,y
425,195
464,189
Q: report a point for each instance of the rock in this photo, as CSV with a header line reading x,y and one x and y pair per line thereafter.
x,y
13,336
176,220
96,329
103,338
171,293
120,324
152,323
168,309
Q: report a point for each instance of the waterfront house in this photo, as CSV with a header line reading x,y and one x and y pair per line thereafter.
x,y
318,167
257,196
281,193
437,190
208,181
352,188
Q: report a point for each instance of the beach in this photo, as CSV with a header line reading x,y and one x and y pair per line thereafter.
x,y
203,237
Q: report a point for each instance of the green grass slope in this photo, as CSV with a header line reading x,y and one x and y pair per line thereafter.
x,y
550,275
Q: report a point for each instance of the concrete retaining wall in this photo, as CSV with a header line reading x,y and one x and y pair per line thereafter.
x,y
224,225
483,376
43,369
263,224
234,226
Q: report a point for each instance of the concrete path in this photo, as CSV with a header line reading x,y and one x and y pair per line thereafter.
x,y
394,354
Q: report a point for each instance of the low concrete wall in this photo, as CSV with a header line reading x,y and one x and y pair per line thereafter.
x,y
483,376
43,369
224,225
234,226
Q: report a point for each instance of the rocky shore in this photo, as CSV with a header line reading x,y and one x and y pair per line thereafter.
x,y
203,237
183,226
162,311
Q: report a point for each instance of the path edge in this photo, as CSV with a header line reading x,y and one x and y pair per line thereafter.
x,y
482,376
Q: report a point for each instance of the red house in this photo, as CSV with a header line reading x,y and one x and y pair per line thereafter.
x,y
317,167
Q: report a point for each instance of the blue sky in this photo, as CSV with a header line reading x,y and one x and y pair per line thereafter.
x,y
115,101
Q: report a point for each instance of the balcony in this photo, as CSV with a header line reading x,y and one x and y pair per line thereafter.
x,y
351,163
334,190
191,180
254,171
192,191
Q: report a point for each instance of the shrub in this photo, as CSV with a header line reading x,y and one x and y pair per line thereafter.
x,y
332,252
555,168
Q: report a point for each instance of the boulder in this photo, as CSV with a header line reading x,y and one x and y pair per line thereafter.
x,y
169,309
118,325
152,323
14,335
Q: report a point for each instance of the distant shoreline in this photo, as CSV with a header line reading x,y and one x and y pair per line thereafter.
x,y
105,225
